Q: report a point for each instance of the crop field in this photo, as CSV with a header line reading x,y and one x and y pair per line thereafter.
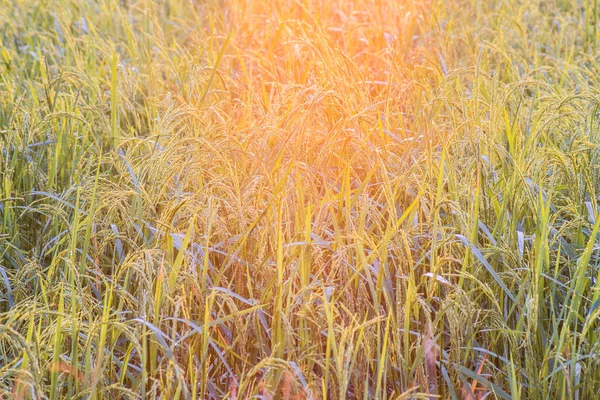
x,y
299,199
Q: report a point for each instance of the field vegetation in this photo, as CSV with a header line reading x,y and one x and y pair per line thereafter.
x,y
296,199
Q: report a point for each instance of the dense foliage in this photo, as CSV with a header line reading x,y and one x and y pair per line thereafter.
x,y
299,199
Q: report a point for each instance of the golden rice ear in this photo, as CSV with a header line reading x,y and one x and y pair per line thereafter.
x,y
233,388
301,395
264,392
19,388
287,387
431,356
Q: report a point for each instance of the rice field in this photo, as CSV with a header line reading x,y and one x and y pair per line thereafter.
x,y
299,199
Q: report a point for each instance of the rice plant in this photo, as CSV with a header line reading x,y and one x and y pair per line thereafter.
x,y
299,199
